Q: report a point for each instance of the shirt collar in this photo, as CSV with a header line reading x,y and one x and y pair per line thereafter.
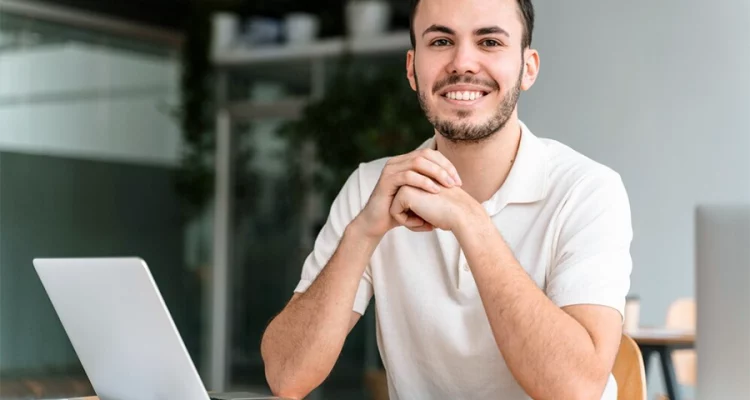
x,y
527,180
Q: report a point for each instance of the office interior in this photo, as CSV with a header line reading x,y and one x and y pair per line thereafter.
x,y
190,133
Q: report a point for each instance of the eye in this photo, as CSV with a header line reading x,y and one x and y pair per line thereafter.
x,y
440,42
491,43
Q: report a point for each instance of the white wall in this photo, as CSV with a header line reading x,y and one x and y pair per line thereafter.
x,y
87,101
660,91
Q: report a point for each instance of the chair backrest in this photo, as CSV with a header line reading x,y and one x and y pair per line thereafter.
x,y
629,371
682,315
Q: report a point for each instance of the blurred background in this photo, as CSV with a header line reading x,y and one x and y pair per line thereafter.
x,y
209,137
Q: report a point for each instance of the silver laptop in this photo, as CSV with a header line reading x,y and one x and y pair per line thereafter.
x,y
722,251
122,331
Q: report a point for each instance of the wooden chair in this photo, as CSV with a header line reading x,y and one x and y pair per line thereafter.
x,y
681,315
376,382
629,371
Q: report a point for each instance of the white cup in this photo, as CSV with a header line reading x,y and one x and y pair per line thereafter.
x,y
632,314
367,18
301,28
226,28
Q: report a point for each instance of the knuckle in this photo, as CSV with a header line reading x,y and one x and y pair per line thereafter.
x,y
392,162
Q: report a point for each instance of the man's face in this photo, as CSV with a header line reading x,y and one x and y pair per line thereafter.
x,y
468,65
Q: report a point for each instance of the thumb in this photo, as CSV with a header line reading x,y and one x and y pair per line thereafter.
x,y
401,210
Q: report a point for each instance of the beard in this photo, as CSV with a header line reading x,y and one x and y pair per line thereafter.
x,y
465,131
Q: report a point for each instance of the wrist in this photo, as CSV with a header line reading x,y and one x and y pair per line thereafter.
x,y
474,218
359,230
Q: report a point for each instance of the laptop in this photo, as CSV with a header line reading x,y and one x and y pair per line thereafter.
x,y
121,330
722,262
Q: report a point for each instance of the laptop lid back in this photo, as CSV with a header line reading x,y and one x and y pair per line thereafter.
x,y
120,328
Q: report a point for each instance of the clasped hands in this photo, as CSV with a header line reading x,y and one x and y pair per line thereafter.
x,y
420,190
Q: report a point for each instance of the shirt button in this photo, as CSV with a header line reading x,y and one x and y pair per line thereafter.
x,y
466,267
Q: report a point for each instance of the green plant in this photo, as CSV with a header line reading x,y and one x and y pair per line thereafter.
x,y
194,179
369,112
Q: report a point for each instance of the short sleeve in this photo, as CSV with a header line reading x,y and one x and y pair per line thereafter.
x,y
346,206
592,262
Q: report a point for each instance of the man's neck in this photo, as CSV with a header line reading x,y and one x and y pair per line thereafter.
x,y
484,166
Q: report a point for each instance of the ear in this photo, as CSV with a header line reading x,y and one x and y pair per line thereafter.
x,y
410,69
531,68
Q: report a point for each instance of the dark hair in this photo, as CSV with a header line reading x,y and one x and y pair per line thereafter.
x,y
526,9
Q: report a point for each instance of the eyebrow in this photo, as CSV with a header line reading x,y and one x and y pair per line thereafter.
x,y
478,32
490,30
439,28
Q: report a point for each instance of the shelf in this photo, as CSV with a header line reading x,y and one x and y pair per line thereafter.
x,y
247,56
289,108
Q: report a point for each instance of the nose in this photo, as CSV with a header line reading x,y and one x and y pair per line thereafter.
x,y
464,61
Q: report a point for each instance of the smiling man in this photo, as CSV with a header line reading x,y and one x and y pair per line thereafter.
x,y
500,261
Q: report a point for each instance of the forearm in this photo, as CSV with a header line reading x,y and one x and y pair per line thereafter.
x,y
301,345
549,353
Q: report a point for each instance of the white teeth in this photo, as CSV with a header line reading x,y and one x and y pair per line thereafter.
x,y
465,96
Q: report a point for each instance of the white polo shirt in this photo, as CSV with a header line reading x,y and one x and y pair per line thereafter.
x,y
567,220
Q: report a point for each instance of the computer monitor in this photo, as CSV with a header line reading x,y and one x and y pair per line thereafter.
x,y
722,250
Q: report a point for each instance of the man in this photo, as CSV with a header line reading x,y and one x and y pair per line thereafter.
x,y
500,261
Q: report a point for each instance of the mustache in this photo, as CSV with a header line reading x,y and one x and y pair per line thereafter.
x,y
467,79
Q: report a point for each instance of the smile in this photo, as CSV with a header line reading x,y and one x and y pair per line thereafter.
x,y
464,97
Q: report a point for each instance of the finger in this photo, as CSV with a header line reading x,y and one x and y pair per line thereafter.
x,y
407,218
401,212
432,170
416,180
425,228
414,221
402,218
427,162
398,211
439,159
424,167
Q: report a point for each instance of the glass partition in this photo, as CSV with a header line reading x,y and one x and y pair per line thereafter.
x,y
89,149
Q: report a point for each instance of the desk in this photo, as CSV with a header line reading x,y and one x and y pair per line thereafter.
x,y
663,342
245,395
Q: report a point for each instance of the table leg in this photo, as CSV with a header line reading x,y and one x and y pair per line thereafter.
x,y
646,354
670,379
